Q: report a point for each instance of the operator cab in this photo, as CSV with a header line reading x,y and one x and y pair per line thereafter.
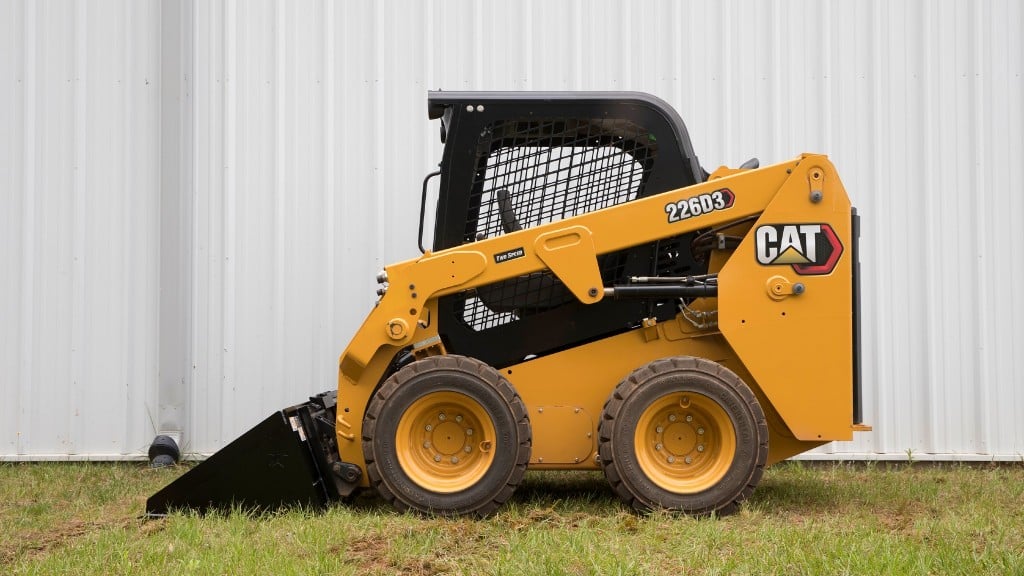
x,y
517,160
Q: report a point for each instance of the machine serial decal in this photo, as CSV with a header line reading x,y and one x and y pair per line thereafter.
x,y
699,205
811,249
509,255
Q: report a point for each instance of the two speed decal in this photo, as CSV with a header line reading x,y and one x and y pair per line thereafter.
x,y
699,205
502,257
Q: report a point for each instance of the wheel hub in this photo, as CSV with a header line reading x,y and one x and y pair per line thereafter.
x,y
448,438
679,439
685,442
443,442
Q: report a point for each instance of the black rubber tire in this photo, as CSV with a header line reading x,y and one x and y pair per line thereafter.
x,y
450,373
653,381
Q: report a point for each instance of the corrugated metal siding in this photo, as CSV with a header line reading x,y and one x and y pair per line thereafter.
x,y
79,183
305,139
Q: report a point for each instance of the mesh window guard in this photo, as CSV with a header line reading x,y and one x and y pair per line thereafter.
x,y
541,171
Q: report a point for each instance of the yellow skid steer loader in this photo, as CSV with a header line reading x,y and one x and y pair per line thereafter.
x,y
592,300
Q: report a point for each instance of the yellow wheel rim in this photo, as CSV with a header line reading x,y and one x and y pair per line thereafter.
x,y
685,442
445,442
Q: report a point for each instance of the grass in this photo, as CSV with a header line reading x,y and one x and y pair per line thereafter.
x,y
81,518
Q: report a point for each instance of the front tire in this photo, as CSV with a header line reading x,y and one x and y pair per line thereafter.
x,y
446,435
683,434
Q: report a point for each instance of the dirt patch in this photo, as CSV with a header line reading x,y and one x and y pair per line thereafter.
x,y
149,527
370,553
40,542
901,519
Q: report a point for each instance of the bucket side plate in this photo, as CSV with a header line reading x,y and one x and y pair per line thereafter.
x,y
268,467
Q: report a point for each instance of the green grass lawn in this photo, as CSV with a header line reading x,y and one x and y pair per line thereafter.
x,y
803,519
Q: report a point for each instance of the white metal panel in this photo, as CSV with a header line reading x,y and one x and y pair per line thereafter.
x,y
79,177
306,140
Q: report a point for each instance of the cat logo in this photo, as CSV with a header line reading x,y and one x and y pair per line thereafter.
x,y
811,249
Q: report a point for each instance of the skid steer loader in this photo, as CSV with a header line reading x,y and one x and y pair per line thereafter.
x,y
592,300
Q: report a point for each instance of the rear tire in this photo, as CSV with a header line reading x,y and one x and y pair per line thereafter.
x,y
446,435
683,434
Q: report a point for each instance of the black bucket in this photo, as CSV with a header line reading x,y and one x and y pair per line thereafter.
x,y
289,459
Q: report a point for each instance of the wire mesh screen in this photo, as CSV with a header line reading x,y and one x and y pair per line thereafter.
x,y
542,171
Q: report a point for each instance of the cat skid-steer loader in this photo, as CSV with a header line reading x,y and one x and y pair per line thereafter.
x,y
592,300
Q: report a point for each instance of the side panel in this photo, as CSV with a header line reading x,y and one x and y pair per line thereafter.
x,y
565,393
797,345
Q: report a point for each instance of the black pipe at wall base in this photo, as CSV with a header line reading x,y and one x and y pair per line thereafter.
x,y
163,452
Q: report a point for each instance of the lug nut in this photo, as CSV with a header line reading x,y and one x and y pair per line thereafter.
x,y
700,431
437,458
689,418
467,449
700,447
469,431
657,447
671,417
671,459
426,444
659,429
688,460
441,417
458,418
455,459
429,427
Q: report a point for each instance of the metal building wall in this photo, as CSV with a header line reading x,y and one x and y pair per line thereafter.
x,y
286,144
79,223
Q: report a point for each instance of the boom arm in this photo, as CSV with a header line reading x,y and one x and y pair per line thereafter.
x,y
581,239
